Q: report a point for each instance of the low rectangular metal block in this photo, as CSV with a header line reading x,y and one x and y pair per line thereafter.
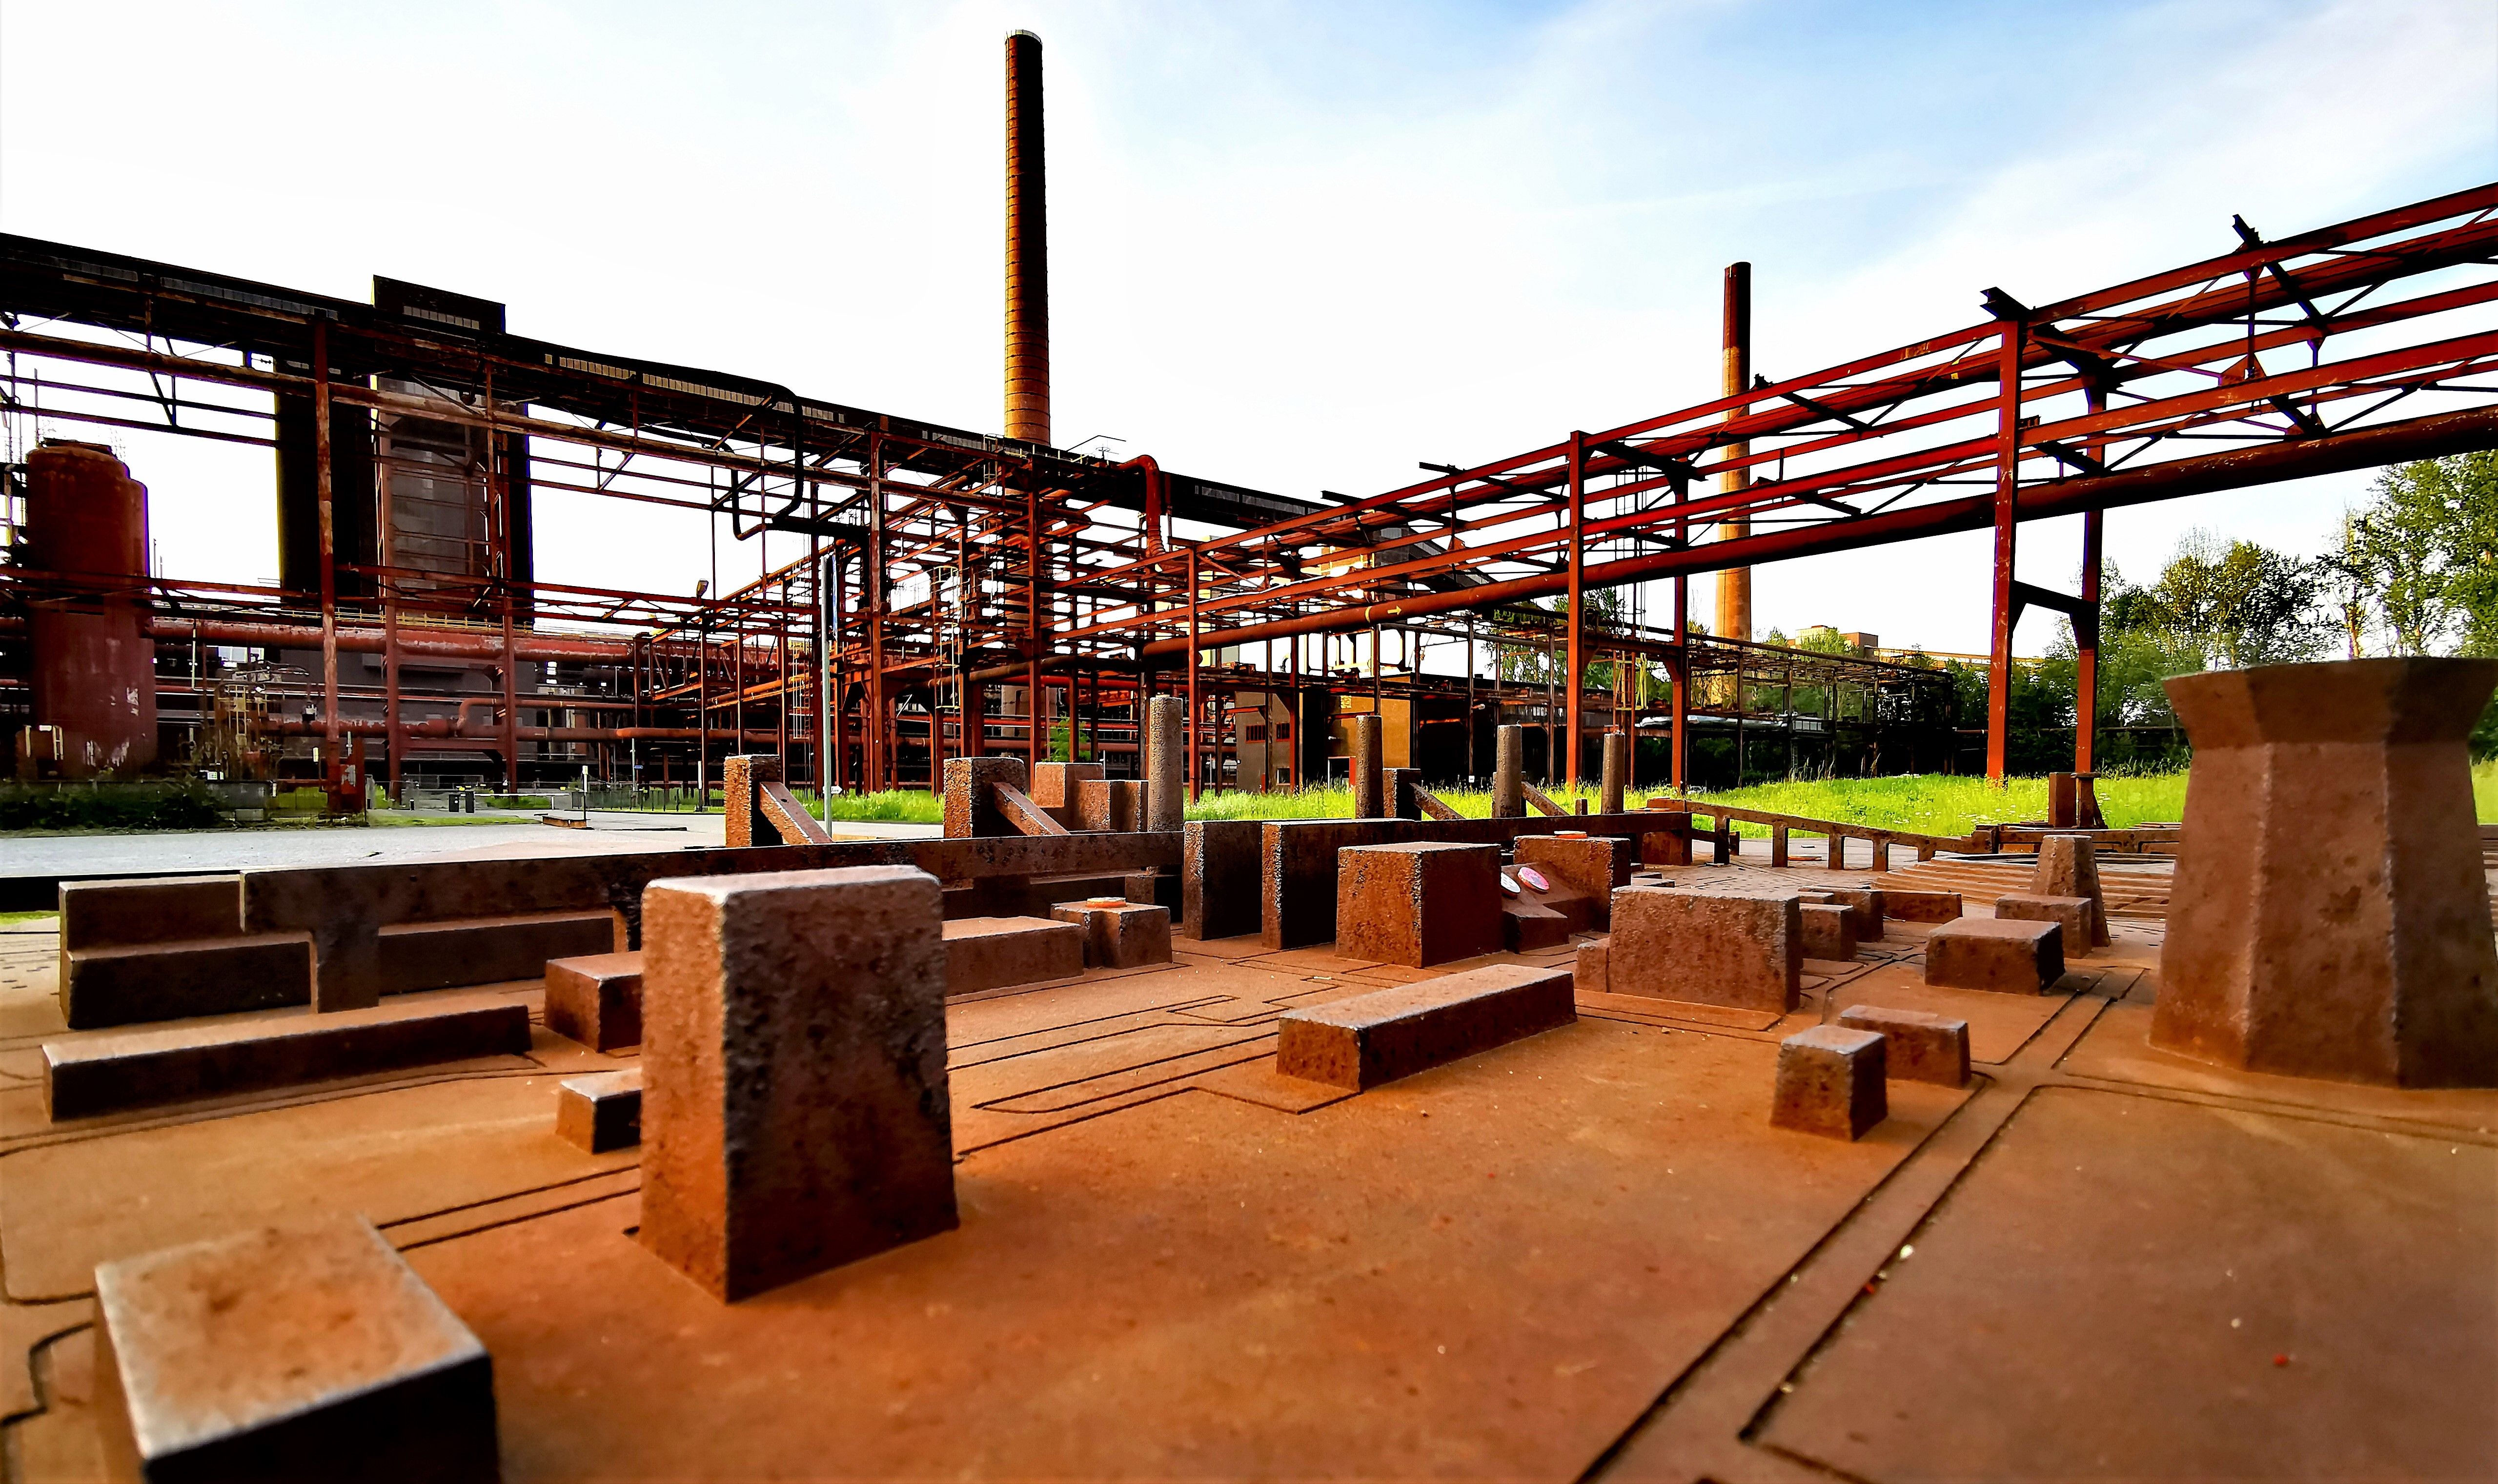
x,y
1916,1047
1420,904
1669,849
2004,955
1530,926
595,1000
136,982
2073,914
305,1352
1911,906
117,913
1120,935
135,1069
1737,950
1593,865
1115,805
1387,1034
794,1111
488,950
1831,1082
994,953
1829,931
1054,784
1218,879
600,1111
1865,903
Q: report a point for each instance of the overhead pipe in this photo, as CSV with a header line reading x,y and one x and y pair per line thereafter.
x,y
2425,437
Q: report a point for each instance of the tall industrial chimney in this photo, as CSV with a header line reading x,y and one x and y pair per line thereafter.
x,y
1734,614
1027,246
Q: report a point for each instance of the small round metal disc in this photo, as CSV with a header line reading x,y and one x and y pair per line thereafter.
x,y
1509,883
1534,878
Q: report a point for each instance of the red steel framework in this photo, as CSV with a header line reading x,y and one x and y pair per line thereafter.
x,y
939,563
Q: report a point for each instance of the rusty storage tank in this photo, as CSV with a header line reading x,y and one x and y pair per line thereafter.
x,y
95,667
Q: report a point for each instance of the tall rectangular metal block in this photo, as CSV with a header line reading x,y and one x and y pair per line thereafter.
x,y
1369,775
1396,787
1054,784
1742,951
794,1111
1296,877
1417,904
1167,722
1593,865
971,796
1829,931
1116,805
1617,772
305,1352
1508,772
742,778
2069,867
1218,878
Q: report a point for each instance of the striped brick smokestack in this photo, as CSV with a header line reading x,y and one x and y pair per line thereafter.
x,y
1027,246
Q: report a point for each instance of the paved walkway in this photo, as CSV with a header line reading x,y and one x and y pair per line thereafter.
x,y
235,849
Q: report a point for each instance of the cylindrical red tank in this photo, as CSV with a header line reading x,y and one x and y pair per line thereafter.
x,y
86,549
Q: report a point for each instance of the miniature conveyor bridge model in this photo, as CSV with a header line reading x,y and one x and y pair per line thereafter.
x,y
941,563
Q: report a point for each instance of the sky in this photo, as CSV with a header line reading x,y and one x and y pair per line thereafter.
x,y
1294,246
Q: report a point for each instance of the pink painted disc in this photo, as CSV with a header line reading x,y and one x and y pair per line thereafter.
x,y
1534,878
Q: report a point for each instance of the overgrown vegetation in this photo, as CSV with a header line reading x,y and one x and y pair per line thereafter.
x,y
172,805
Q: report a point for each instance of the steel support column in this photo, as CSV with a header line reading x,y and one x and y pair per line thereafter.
x,y
1578,599
329,553
2007,484
1197,663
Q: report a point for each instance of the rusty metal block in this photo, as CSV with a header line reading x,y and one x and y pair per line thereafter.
x,y
1829,931
135,983
1370,799
305,1352
1998,953
1111,805
1593,865
117,913
1588,973
1121,934
1218,879
1529,926
1054,785
595,1000
1166,764
2071,912
600,1111
488,950
2330,916
1418,904
1831,1082
1376,1038
993,953
1671,848
136,1069
742,778
1865,907
1920,906
1916,1047
1745,950
2069,867
794,1097
971,796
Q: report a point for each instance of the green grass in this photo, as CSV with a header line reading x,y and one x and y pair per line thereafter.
x,y
906,806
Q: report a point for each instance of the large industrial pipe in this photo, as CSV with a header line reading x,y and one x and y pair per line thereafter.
x,y
1027,246
1734,616
2420,437
424,643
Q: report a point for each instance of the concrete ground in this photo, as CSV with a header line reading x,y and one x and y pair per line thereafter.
x,y
206,852
1587,1254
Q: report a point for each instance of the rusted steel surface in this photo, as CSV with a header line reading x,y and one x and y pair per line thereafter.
x,y
1183,1249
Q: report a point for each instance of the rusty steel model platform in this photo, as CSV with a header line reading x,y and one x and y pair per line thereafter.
x,y
1585,1254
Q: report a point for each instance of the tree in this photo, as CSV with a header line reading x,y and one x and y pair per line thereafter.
x,y
2429,549
2241,603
